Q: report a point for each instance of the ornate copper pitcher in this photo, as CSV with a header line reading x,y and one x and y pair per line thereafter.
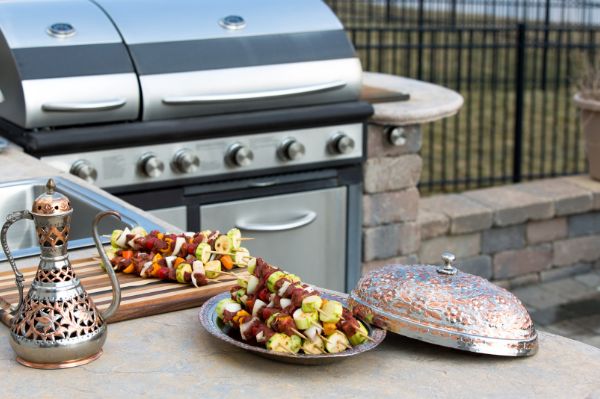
x,y
57,325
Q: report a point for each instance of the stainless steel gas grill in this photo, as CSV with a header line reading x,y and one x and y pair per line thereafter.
x,y
209,114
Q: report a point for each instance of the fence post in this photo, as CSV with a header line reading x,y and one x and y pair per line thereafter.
x,y
519,103
388,11
420,24
546,44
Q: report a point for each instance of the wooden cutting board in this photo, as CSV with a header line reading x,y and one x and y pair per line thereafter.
x,y
139,297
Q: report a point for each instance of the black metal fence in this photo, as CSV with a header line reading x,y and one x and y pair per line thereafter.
x,y
516,63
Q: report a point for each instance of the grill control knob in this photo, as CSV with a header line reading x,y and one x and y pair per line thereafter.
x,y
239,155
185,161
84,170
150,165
291,150
341,144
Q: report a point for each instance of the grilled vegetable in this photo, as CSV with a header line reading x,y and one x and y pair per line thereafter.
x,y
331,312
114,237
253,282
304,320
181,271
221,306
360,336
315,347
295,343
213,269
279,343
227,262
223,244
251,265
312,303
336,342
235,237
203,252
329,328
273,278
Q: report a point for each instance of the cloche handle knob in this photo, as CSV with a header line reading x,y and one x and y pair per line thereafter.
x,y
448,267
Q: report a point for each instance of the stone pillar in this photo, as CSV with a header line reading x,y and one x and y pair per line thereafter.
x,y
391,198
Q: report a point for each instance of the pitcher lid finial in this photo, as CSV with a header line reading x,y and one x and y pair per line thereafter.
x,y
51,186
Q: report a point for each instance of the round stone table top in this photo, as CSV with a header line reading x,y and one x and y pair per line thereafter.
x,y
428,102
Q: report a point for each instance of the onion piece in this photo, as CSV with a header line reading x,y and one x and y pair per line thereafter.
x,y
179,241
286,284
233,307
285,302
258,305
143,272
169,261
253,282
260,337
198,267
122,240
245,327
313,332
189,234
132,243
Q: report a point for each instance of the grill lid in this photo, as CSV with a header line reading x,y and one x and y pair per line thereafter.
x,y
62,62
444,306
199,57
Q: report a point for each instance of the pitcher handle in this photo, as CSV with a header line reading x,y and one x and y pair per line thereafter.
x,y
10,220
116,299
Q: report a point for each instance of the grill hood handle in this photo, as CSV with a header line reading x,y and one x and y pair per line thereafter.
x,y
87,106
255,95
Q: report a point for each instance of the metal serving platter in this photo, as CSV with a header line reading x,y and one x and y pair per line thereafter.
x,y
212,324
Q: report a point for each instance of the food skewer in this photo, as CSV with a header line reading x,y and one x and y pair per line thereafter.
x,y
299,334
185,257
274,308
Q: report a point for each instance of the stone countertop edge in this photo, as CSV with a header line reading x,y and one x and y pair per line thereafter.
x,y
428,102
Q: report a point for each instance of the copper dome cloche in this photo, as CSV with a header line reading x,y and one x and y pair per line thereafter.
x,y
444,306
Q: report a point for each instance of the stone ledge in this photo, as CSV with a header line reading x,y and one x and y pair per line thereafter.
x,y
514,204
568,198
465,215
511,206
587,183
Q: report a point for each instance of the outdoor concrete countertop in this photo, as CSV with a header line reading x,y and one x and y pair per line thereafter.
x,y
428,102
171,355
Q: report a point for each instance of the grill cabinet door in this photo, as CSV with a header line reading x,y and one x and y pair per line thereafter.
x,y
303,233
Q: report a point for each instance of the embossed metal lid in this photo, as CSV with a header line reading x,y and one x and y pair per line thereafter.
x,y
51,203
444,306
